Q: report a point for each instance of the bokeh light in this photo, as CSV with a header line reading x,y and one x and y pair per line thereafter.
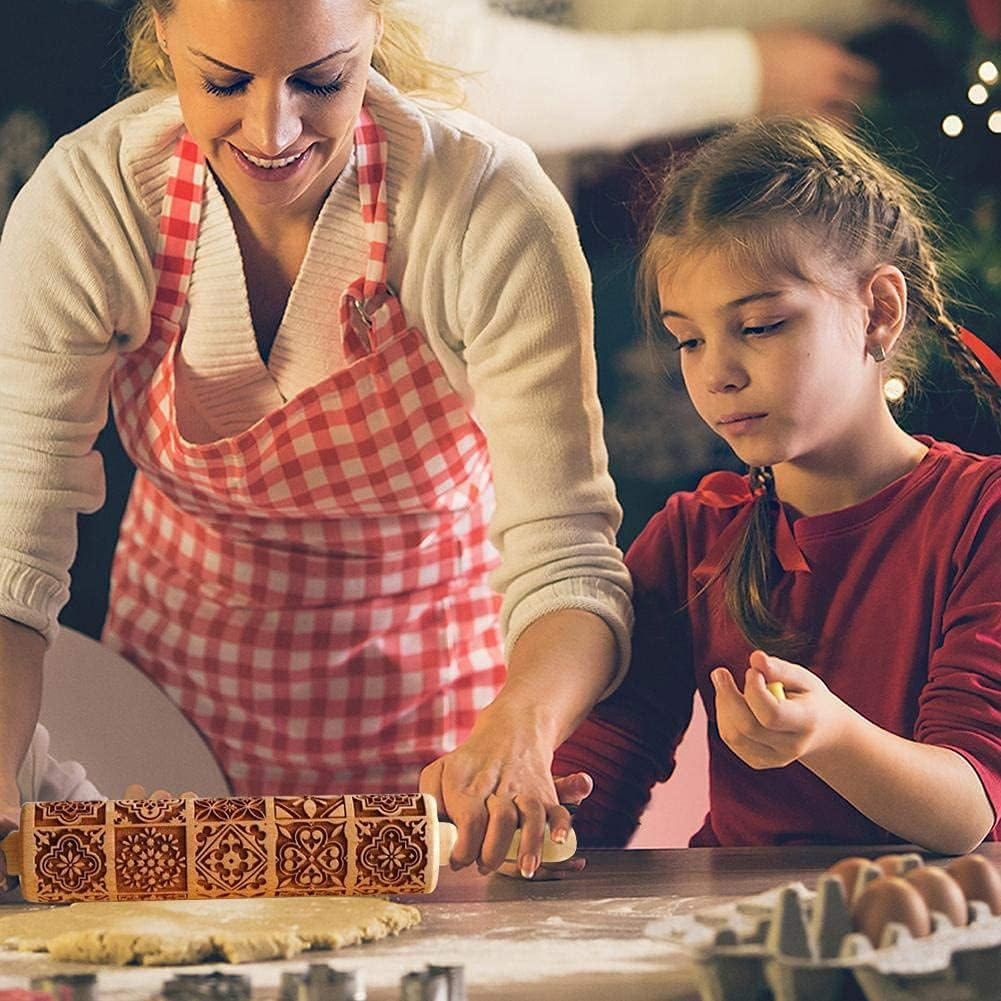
x,y
952,125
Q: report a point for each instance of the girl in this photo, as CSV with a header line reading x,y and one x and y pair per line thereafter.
x,y
334,324
855,565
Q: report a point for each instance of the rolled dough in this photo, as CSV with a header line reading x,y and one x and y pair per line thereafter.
x,y
181,932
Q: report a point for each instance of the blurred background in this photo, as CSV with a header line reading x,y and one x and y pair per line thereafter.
x,y
936,115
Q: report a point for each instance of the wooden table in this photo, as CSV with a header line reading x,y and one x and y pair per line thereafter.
x,y
583,939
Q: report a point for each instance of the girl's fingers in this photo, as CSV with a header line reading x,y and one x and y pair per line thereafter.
x,y
771,711
732,710
794,677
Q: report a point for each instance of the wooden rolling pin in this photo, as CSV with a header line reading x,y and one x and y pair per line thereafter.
x,y
266,846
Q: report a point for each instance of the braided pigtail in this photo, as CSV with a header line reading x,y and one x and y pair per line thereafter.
x,y
751,575
927,291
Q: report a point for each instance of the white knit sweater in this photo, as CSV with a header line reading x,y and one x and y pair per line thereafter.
x,y
621,72
484,255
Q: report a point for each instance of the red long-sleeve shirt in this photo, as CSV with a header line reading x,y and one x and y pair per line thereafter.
x,y
904,591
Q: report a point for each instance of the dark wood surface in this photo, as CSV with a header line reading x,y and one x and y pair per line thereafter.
x,y
725,873
592,937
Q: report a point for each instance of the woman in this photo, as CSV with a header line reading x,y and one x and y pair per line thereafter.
x,y
333,323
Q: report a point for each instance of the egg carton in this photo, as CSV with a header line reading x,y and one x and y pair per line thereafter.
x,y
793,944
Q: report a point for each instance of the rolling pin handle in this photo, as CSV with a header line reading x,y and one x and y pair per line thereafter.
x,y
11,848
551,851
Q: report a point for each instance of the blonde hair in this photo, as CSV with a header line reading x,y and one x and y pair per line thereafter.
x,y
399,56
787,194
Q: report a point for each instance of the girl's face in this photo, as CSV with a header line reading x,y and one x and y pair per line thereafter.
x,y
270,91
774,365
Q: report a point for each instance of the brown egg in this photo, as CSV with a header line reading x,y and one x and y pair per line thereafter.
x,y
848,869
887,899
978,879
890,864
940,892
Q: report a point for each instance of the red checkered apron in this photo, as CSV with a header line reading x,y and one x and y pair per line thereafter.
x,y
311,592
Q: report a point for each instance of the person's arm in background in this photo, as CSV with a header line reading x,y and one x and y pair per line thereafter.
x,y
565,89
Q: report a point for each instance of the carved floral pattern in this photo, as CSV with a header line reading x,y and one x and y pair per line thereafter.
x,y
393,805
310,808
231,860
285,847
149,811
78,813
391,856
70,863
230,809
311,858
151,861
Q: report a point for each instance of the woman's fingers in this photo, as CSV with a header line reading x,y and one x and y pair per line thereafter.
x,y
468,811
533,830
502,822
548,870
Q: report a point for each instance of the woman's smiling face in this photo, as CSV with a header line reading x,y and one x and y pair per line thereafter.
x,y
270,90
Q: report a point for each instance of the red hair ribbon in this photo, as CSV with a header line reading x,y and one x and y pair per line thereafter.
x,y
725,489
986,16
986,355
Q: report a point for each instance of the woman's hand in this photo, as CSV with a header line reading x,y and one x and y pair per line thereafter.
x,y
804,74
492,785
766,732
572,791
499,780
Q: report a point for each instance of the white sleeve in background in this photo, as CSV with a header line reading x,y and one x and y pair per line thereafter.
x,y
835,20
626,71
564,90
42,778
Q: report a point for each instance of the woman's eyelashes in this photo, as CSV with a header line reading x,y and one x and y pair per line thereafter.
x,y
327,89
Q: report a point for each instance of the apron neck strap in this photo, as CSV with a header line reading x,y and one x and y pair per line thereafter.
x,y
178,233
371,153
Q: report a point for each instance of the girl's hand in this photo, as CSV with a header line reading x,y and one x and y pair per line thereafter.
x,y
765,732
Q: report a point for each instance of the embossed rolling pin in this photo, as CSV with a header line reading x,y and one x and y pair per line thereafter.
x,y
266,846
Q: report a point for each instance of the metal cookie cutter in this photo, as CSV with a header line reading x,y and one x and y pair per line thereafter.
x,y
435,983
207,987
321,982
67,986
